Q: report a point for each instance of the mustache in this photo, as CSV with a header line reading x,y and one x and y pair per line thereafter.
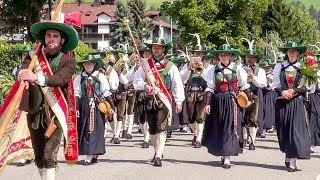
x,y
52,51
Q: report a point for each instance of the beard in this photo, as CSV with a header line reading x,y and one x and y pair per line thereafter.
x,y
48,51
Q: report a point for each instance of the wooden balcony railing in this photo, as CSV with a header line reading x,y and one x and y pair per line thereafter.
x,y
93,37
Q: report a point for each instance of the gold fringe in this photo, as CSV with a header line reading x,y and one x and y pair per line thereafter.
x,y
29,156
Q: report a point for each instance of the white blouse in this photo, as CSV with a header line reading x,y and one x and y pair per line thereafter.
x,y
241,77
104,84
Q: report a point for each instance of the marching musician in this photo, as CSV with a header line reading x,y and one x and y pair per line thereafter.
x,y
164,77
90,87
222,132
194,74
253,117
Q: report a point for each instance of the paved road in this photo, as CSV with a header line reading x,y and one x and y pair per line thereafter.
x,y
181,161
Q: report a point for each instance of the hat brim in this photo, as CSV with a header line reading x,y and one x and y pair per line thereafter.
x,y
70,34
302,49
233,52
18,52
98,61
149,45
117,51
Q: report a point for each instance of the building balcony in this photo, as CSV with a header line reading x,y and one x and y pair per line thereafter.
x,y
94,37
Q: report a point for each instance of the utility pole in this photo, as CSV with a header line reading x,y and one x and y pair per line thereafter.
x,y
171,33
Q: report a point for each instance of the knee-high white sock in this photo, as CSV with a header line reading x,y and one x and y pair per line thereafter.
x,y
293,163
118,129
154,141
49,174
200,127
194,128
146,132
227,160
161,141
125,122
40,170
244,133
253,133
130,123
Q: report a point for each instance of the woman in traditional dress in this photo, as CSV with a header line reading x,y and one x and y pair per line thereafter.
x,y
269,97
314,112
291,116
222,131
91,86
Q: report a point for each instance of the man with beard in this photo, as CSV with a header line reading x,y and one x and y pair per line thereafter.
x,y
56,38
257,79
166,78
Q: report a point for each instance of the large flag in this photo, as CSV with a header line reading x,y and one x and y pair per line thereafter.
x,y
16,141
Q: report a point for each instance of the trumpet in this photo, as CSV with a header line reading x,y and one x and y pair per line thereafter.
x,y
196,65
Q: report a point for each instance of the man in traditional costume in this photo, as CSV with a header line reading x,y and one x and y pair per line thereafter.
x,y
162,77
194,74
253,118
54,69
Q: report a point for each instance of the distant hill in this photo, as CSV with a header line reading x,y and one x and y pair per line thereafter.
x,y
308,3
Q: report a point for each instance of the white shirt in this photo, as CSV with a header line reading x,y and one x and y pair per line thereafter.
x,y
260,80
240,72
113,79
139,81
104,84
277,71
185,72
269,76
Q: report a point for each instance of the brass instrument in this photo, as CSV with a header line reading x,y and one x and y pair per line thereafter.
x,y
196,65
106,60
133,58
120,64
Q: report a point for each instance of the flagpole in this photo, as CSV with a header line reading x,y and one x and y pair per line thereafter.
x,y
19,92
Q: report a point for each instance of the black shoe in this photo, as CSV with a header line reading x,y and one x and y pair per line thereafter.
x,y
157,162
169,135
86,163
145,144
129,136
194,140
112,139
116,141
226,166
222,161
197,144
124,133
262,136
287,164
94,160
28,161
251,146
21,164
290,169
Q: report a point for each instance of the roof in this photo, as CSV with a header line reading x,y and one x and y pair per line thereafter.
x,y
87,8
159,22
94,11
153,13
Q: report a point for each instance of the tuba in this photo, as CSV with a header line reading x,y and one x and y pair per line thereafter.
x,y
120,64
106,60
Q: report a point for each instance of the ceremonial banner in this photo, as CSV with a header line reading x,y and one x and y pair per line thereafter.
x,y
63,110
16,141
161,90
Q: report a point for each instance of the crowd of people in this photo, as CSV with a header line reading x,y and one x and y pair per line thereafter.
x,y
161,92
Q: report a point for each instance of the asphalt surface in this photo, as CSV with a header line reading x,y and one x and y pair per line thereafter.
x,y
181,161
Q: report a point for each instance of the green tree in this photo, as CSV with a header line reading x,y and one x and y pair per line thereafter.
x,y
21,14
119,32
141,28
290,22
216,20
